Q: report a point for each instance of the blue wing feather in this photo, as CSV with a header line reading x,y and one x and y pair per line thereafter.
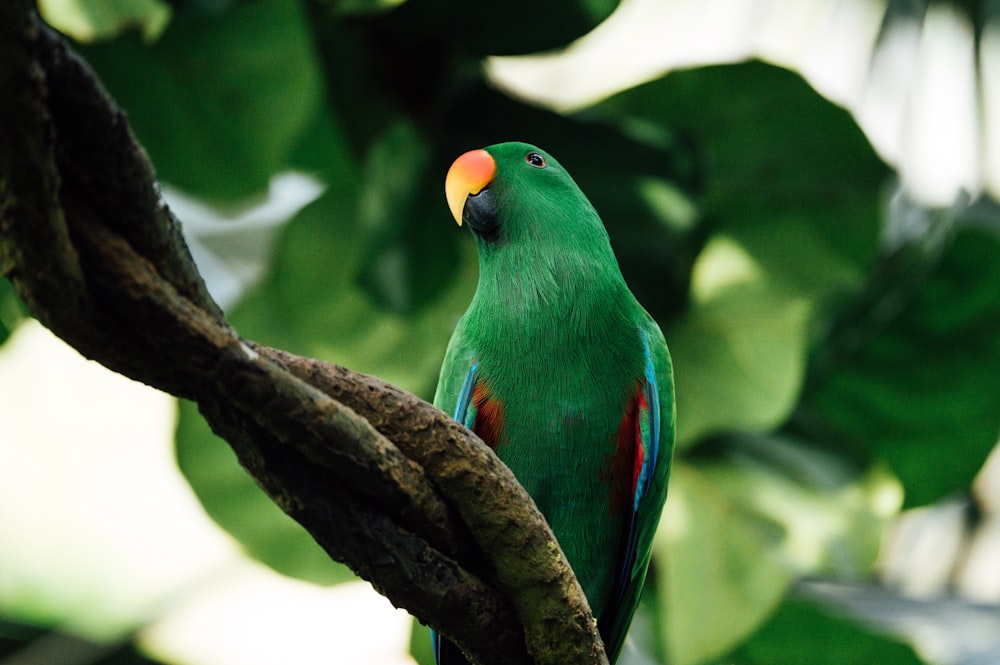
x,y
462,412
651,442
445,652
653,396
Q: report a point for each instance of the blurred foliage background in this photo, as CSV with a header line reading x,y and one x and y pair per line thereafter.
x,y
835,328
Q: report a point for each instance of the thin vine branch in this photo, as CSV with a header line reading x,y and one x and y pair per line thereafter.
x,y
386,483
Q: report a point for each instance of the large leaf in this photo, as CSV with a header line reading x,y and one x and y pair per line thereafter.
x,y
802,634
923,390
788,175
717,578
105,19
739,350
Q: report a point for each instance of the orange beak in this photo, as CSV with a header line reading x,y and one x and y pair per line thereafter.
x,y
468,175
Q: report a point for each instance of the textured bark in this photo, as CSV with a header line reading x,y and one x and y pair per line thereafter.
x,y
385,482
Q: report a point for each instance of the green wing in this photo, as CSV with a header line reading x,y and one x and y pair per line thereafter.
x,y
657,426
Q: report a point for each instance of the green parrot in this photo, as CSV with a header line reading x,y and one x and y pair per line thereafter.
x,y
559,369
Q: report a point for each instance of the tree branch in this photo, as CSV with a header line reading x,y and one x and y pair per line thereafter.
x,y
411,500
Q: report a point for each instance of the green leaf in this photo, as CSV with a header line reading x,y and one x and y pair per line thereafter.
x,y
739,351
717,578
219,102
768,141
97,20
239,506
787,175
923,392
802,634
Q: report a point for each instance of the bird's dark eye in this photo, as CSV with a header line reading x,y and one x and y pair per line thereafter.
x,y
535,160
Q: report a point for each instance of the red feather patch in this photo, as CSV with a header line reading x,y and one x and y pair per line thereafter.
x,y
488,424
625,463
641,407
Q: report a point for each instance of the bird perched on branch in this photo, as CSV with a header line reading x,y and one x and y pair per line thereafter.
x,y
559,369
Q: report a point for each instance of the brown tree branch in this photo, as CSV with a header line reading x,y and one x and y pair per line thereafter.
x,y
409,499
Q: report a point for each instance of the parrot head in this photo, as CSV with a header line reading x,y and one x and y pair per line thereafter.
x,y
517,194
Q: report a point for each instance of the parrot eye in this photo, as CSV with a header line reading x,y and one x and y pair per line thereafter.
x,y
535,160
